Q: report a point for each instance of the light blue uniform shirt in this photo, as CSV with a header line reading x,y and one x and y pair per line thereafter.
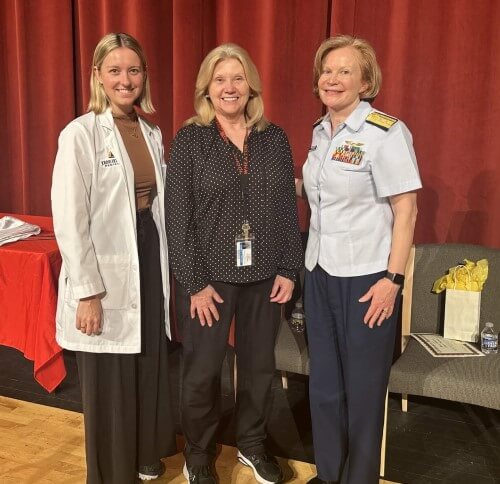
x,y
348,179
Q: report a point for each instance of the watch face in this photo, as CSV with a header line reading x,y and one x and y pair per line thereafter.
x,y
399,279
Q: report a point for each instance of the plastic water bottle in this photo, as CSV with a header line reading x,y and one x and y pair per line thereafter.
x,y
298,320
489,339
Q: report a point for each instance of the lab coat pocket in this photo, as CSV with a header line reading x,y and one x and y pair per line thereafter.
x,y
115,270
68,295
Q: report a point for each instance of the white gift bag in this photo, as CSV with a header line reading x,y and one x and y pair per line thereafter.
x,y
461,315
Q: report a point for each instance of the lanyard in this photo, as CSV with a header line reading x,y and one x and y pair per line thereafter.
x,y
241,161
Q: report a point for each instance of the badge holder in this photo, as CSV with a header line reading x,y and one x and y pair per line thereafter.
x,y
244,246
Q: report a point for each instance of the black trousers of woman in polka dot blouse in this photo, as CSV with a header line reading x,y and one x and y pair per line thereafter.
x,y
204,349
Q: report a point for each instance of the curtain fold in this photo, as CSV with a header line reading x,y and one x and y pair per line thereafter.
x,y
151,22
37,85
440,61
193,37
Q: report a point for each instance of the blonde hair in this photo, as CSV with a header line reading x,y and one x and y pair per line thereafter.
x,y
99,102
370,70
205,112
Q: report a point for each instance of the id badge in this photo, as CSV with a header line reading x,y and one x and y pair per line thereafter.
x,y
244,247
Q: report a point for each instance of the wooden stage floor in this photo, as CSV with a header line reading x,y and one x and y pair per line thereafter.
x,y
45,445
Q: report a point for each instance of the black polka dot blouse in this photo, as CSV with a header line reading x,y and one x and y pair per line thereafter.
x,y
205,208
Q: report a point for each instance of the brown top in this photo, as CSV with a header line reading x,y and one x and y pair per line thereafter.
x,y
142,163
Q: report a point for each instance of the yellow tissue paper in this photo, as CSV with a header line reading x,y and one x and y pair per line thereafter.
x,y
469,276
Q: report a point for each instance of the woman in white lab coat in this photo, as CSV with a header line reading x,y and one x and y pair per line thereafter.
x,y
107,203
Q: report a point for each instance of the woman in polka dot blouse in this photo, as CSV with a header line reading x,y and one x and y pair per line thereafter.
x,y
235,250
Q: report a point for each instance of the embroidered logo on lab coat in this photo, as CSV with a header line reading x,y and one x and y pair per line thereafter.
x,y
109,161
349,152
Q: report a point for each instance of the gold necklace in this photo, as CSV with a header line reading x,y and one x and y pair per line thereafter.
x,y
130,122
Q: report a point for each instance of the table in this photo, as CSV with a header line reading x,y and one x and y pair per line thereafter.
x,y
29,270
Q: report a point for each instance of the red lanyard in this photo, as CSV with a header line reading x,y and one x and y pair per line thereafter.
x,y
241,166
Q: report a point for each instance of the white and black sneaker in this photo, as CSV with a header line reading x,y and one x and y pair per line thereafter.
x,y
266,469
148,473
199,474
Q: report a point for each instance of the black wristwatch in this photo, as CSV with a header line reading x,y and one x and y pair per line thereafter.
x,y
396,278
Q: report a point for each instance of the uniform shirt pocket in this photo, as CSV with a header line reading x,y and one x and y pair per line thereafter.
x,y
362,167
351,156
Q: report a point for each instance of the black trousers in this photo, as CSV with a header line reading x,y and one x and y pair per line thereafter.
x,y
350,365
126,397
204,349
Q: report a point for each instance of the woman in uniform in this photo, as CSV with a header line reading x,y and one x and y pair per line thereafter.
x,y
360,179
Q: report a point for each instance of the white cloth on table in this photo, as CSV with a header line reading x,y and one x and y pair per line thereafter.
x,y
13,229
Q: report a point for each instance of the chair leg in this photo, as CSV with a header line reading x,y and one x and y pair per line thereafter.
x,y
384,438
284,380
404,402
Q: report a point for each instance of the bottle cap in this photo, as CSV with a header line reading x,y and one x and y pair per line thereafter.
x,y
489,325
298,304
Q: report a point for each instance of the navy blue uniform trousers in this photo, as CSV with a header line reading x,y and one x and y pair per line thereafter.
x,y
349,373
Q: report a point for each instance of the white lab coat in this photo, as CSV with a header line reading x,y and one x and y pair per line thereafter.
x,y
93,204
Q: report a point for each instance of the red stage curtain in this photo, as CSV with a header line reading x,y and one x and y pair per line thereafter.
x,y
37,84
150,21
439,59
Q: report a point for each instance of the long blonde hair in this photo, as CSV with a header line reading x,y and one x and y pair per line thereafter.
x,y
205,112
99,102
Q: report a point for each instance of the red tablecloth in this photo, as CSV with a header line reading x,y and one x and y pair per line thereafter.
x,y
28,298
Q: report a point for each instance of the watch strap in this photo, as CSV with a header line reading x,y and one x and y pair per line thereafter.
x,y
395,277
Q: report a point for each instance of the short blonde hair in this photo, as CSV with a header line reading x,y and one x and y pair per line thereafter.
x,y
99,102
205,112
370,70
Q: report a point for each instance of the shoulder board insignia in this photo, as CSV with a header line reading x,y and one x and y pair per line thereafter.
x,y
381,120
318,121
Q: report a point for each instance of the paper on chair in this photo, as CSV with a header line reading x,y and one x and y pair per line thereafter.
x,y
440,347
